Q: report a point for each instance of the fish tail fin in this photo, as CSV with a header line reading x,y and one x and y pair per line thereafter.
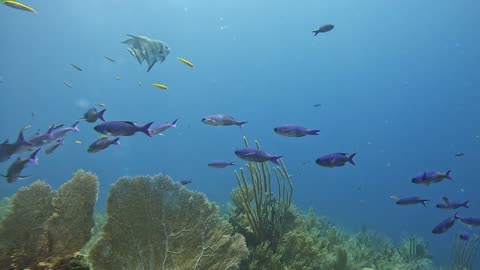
x,y
116,141
174,123
240,124
313,132
456,215
50,132
33,157
315,33
350,158
146,129
275,160
424,201
4,176
21,139
232,163
75,126
465,204
447,174
100,114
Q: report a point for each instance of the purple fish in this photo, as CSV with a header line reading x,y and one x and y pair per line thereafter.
x,y
253,154
61,131
291,130
38,139
459,154
15,169
335,160
427,178
185,182
452,204
20,145
161,128
471,221
122,128
221,120
411,200
6,151
102,144
54,146
464,235
220,164
323,29
92,115
444,225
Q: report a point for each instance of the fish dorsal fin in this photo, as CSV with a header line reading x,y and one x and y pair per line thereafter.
x,y
445,199
343,154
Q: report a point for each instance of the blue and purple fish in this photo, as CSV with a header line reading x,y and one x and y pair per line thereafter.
x,y
470,221
444,225
323,29
465,235
447,204
102,144
185,182
220,164
221,120
61,131
253,154
411,201
54,147
92,115
122,128
427,178
15,169
19,146
335,160
291,130
161,128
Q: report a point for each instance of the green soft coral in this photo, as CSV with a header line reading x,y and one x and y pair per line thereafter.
x,y
154,223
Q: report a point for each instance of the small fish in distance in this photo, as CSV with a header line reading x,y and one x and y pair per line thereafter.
x,y
122,128
220,164
253,154
101,144
291,130
323,29
335,160
221,120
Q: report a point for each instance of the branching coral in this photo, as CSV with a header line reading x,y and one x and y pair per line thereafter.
x,y
464,252
69,228
154,223
21,232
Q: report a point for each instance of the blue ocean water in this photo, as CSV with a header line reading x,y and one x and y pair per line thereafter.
x,y
398,83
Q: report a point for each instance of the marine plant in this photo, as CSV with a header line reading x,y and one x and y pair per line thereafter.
x,y
265,205
21,232
464,252
155,223
45,227
5,207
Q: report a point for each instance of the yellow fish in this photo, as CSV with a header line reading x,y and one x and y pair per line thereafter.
x,y
395,198
26,127
18,5
185,61
161,86
102,136
101,104
78,142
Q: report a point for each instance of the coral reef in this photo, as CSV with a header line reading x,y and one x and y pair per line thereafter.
x,y
154,223
21,232
69,227
5,207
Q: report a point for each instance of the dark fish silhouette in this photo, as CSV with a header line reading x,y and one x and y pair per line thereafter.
x,y
323,29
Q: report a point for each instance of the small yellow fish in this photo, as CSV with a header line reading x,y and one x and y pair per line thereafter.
x,y
76,67
18,5
139,83
78,142
103,136
185,61
117,78
395,198
109,59
101,104
26,127
69,85
161,86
